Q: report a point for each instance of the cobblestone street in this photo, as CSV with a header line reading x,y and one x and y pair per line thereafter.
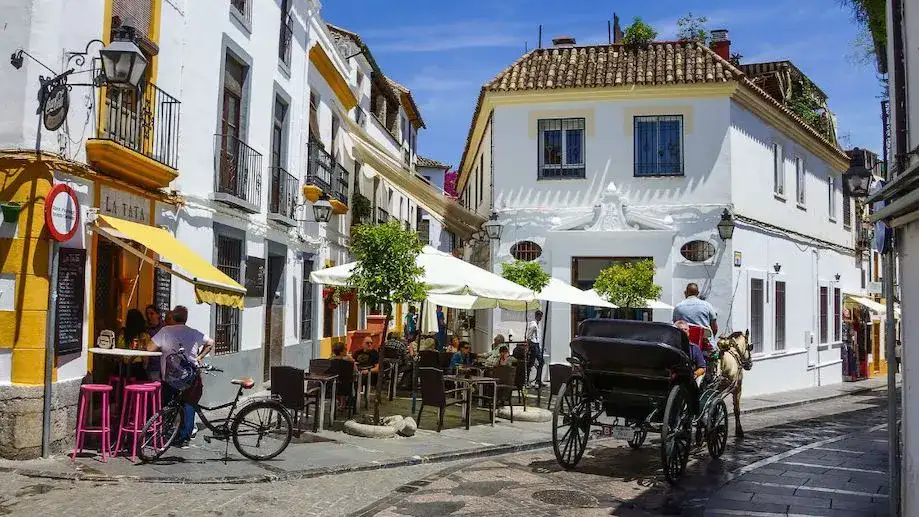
x,y
827,458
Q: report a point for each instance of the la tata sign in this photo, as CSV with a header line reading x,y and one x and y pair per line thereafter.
x,y
62,212
124,205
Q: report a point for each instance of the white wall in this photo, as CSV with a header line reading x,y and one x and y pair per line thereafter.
x,y
909,292
609,154
752,189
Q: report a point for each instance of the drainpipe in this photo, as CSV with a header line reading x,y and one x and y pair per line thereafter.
x,y
49,355
900,154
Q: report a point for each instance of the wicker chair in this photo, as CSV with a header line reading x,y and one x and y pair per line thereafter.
x,y
434,393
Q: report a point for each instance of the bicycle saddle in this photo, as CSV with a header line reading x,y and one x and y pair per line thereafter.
x,y
245,382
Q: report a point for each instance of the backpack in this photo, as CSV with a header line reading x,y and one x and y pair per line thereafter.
x,y
179,372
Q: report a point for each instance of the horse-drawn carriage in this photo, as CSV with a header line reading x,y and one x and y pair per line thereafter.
x,y
641,375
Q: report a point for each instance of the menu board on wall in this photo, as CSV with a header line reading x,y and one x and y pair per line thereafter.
x,y
255,276
162,289
71,284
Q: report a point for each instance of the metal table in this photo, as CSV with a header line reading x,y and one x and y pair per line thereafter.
x,y
122,353
323,379
471,382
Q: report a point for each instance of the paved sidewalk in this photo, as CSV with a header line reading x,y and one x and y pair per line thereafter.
x,y
332,452
844,477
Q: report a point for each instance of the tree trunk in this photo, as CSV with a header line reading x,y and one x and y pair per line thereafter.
x,y
378,399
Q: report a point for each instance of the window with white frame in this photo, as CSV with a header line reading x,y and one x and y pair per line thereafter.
x,y
824,313
778,170
779,315
757,306
659,145
831,188
800,181
561,148
837,313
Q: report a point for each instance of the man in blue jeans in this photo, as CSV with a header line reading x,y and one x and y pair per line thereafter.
x,y
195,345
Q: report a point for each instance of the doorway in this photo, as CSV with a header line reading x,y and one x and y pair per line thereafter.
x,y
108,288
584,272
273,347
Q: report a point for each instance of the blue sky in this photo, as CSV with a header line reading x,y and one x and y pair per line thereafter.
x,y
445,51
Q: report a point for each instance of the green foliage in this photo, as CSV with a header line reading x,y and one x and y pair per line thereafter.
x,y
361,210
638,34
692,28
386,270
525,273
807,103
871,16
628,284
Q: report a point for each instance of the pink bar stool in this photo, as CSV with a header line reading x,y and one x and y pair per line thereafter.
x,y
138,397
84,419
156,402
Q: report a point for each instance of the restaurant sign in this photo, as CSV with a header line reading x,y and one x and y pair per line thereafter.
x,y
124,205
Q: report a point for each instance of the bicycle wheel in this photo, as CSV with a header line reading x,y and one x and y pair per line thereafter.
x,y
159,432
261,430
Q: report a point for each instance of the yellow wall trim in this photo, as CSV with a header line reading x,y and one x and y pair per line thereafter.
x,y
804,137
335,80
127,164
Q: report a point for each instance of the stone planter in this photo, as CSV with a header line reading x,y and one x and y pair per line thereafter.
x,y
392,425
532,414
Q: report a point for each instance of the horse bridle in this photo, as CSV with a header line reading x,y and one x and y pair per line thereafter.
x,y
745,364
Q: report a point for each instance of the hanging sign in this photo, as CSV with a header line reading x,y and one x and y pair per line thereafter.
x,y
55,103
162,289
62,212
255,276
738,259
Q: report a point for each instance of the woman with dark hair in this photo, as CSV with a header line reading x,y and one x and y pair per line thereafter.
x,y
134,336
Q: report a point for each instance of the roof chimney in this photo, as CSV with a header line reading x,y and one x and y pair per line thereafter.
x,y
564,41
721,44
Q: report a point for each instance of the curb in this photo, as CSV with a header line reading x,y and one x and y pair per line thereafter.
x,y
481,452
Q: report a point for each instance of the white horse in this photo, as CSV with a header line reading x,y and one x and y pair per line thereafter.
x,y
734,358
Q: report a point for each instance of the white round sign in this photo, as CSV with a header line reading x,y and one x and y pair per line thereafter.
x,y
62,212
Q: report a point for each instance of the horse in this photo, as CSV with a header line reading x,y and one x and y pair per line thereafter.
x,y
734,358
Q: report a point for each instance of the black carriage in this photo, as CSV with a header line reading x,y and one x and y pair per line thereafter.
x,y
640,375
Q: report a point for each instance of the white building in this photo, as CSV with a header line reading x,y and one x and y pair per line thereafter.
x,y
595,154
430,229
249,111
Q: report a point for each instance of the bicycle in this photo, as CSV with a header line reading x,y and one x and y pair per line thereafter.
x,y
260,430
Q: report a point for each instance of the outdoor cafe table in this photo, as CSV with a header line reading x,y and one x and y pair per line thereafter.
x,y
123,353
471,382
323,379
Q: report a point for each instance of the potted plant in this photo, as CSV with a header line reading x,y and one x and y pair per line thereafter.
x,y
532,276
386,272
628,285
11,211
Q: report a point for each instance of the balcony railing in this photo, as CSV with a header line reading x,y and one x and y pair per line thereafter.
x,y
238,172
340,187
148,124
863,238
382,215
320,168
286,40
282,198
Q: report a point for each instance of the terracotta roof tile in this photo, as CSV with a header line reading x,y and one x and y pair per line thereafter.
x,y
434,164
598,66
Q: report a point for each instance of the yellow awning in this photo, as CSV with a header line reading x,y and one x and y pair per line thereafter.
x,y
211,284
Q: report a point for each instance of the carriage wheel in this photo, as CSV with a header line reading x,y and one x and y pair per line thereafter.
x,y
571,419
639,438
717,426
676,434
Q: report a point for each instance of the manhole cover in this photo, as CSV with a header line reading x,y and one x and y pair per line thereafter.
x,y
569,498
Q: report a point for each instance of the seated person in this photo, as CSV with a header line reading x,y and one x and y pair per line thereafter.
x,y
428,342
394,343
366,357
461,357
454,345
697,357
338,352
495,347
502,358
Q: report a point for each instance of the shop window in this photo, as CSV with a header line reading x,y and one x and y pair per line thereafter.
x,y
526,250
229,261
697,251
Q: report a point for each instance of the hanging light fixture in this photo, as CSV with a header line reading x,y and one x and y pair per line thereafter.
x,y
858,178
322,210
123,64
777,267
726,225
492,227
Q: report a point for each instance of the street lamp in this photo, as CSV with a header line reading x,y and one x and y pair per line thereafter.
x,y
493,227
777,267
726,225
123,64
858,177
322,210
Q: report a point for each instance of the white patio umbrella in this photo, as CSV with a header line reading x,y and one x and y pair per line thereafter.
x,y
555,291
443,274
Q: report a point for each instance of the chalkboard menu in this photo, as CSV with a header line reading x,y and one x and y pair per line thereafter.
x,y
162,289
255,276
71,283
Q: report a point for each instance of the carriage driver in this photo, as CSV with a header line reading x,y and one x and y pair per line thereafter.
x,y
696,311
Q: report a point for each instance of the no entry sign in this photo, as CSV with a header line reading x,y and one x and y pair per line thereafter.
x,y
62,212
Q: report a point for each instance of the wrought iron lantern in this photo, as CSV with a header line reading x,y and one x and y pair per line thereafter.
x,y
726,225
123,64
322,210
493,228
858,178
